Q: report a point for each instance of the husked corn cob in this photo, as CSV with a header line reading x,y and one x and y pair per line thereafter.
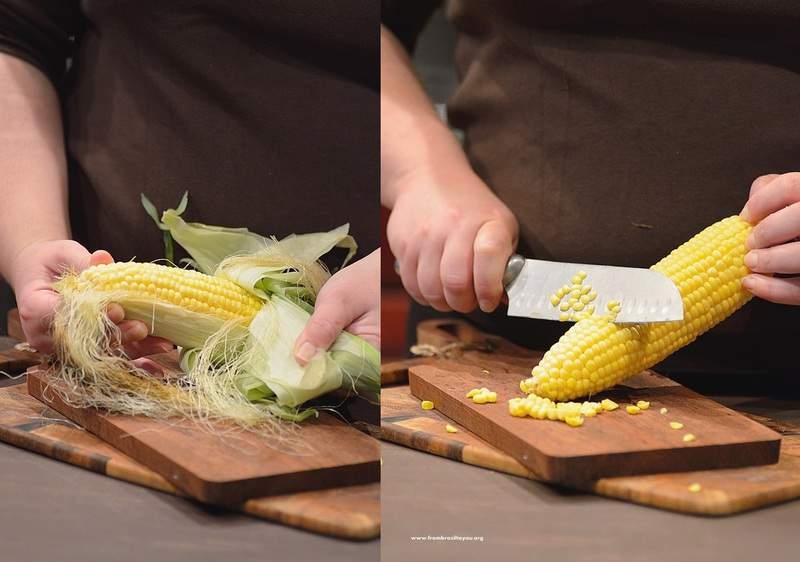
x,y
181,305
595,354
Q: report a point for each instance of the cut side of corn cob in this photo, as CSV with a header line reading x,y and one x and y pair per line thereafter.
x,y
595,353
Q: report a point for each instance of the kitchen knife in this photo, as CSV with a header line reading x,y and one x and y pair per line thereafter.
x,y
645,295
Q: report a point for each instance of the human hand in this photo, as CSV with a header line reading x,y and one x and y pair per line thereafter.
x,y
774,209
33,272
349,300
452,238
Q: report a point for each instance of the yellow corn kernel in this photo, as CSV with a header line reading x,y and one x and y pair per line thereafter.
x,y
480,398
608,405
578,306
475,391
450,429
554,300
426,405
564,306
588,410
688,438
676,425
516,408
643,404
491,397
564,316
573,420
522,386
663,411
695,487
595,354
633,409
184,288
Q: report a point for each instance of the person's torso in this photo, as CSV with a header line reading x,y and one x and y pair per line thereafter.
x,y
617,130
265,112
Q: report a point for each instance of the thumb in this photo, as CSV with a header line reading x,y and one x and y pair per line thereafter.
x,y
330,317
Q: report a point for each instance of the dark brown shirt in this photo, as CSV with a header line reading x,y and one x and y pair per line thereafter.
x,y
267,112
617,130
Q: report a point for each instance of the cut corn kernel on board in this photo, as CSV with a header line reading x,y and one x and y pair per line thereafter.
x,y
351,512
723,492
610,444
405,423
229,469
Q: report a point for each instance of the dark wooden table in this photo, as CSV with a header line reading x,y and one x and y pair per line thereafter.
x,y
523,520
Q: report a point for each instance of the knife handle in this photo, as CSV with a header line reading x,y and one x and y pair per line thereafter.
x,y
513,268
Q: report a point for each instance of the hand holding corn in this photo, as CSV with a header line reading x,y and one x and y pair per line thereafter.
x,y
774,209
33,272
350,300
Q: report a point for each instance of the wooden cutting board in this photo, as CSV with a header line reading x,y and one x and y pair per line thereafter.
x,y
351,512
231,468
610,444
724,492
728,491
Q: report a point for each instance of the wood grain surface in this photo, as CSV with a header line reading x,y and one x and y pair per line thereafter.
x,y
610,444
228,469
351,512
724,491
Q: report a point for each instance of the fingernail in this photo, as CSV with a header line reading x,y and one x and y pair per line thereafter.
x,y
745,214
306,352
485,305
135,332
751,241
748,282
751,259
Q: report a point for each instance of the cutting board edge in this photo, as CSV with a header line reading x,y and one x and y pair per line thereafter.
x,y
588,468
217,492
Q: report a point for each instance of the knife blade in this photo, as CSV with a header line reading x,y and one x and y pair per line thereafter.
x,y
645,295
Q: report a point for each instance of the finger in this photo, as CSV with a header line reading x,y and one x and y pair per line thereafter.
x,y
148,346
131,331
784,258
777,228
154,369
774,195
774,289
456,269
115,313
100,257
408,274
761,182
493,247
428,273
36,314
331,314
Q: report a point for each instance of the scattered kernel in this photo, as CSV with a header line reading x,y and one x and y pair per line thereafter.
x,y
608,405
475,391
688,437
450,429
426,405
643,404
574,420
694,488
676,425
633,409
663,411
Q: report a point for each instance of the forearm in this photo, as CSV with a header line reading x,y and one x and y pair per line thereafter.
x,y
33,189
413,139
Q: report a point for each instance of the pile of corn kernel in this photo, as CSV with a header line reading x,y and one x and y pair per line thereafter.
x,y
571,413
482,396
574,301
